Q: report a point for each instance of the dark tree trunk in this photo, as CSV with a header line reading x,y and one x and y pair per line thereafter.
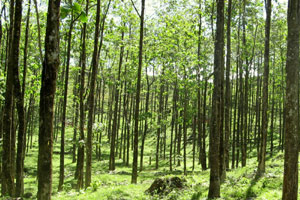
x,y
47,94
203,155
137,98
21,113
263,144
91,100
228,90
114,127
80,151
174,110
290,180
63,121
272,116
7,186
159,119
146,121
245,102
216,117
185,107
13,65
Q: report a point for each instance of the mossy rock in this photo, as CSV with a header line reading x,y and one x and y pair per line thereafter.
x,y
163,186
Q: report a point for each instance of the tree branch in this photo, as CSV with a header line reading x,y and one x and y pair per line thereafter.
x,y
135,9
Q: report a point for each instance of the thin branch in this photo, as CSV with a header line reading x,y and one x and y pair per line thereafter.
x,y
135,9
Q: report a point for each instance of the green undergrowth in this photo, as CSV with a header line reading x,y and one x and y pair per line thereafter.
x,y
240,183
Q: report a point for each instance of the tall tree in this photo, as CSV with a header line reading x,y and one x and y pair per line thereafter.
x,y
63,121
263,146
228,89
19,93
47,95
80,151
91,100
137,97
114,127
12,85
216,117
290,180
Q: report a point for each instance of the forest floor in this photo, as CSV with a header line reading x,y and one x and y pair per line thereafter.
x,y
240,183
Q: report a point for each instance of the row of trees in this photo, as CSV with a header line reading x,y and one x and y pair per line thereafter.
x,y
158,79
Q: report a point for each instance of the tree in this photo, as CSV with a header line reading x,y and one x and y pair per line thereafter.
x,y
91,100
228,89
63,121
290,179
114,127
80,151
137,97
263,146
13,86
47,94
216,117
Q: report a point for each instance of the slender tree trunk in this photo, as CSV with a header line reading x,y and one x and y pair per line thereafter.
x,y
146,121
228,90
94,66
137,97
63,122
7,186
13,65
203,155
272,116
80,151
21,112
159,119
245,102
185,107
114,127
262,158
174,110
214,139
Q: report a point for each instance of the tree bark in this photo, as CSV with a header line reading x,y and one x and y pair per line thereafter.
x,y
94,66
290,180
81,146
214,139
137,97
263,144
47,95
228,89
114,127
63,121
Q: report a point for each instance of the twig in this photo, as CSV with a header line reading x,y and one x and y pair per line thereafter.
x,y
136,9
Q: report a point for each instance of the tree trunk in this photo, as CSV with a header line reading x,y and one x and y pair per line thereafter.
x,y
203,155
214,142
228,90
290,180
146,121
80,151
137,97
263,144
216,117
21,112
47,94
94,66
63,121
114,127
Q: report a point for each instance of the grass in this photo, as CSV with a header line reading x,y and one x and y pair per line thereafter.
x,y
240,183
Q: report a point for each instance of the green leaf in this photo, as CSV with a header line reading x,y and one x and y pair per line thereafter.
x,y
76,7
83,18
64,11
